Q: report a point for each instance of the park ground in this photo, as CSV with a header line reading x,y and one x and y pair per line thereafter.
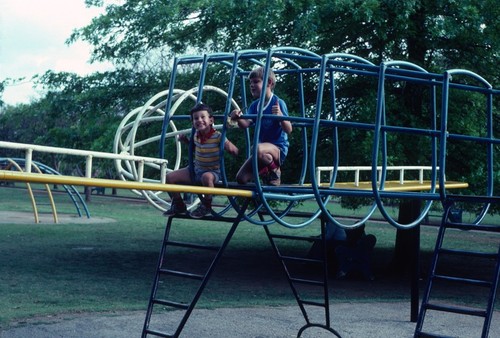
x,y
359,308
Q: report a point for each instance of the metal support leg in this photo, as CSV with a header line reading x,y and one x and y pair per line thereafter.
x,y
293,281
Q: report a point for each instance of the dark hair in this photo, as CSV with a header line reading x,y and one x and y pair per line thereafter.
x,y
201,106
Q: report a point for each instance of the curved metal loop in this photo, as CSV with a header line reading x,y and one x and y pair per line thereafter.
x,y
489,138
323,198
270,193
321,326
380,146
142,115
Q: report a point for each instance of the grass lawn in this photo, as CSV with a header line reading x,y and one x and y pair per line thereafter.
x,y
61,268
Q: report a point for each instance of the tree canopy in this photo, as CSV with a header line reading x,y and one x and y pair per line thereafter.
x,y
436,35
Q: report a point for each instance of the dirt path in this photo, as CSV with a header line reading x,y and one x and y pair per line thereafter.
x,y
22,217
348,319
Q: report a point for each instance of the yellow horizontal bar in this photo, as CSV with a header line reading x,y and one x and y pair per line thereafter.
x,y
7,175
397,186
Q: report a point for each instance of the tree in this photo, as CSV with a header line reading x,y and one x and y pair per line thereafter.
x,y
2,88
436,35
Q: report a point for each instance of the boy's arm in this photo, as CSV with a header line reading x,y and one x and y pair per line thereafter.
x,y
231,148
242,123
183,138
285,125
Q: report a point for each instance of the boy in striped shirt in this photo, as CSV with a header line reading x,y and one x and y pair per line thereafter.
x,y
206,161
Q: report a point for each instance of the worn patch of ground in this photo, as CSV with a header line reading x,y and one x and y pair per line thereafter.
x,y
22,217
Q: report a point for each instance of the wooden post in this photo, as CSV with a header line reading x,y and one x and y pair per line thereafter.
x,y
407,249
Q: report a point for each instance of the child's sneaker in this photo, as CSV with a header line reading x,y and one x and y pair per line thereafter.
x,y
201,211
176,208
274,177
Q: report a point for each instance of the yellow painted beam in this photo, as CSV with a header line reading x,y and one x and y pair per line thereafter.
x,y
107,183
8,175
397,186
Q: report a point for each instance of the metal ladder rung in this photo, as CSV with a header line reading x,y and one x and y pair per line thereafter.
x,y
192,245
301,259
181,274
298,238
474,227
470,281
170,303
430,335
313,303
307,281
476,254
456,309
158,333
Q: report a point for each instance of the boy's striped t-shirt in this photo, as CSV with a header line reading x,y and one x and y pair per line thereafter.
x,y
207,154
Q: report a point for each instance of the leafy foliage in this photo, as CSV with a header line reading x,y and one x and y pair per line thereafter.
x,y
434,34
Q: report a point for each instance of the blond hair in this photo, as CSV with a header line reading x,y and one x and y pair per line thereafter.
x,y
259,73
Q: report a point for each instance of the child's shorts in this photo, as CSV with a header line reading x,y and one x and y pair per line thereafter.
x,y
282,157
198,173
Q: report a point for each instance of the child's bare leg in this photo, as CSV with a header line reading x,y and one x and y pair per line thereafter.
x,y
180,176
208,180
267,154
269,160
245,173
